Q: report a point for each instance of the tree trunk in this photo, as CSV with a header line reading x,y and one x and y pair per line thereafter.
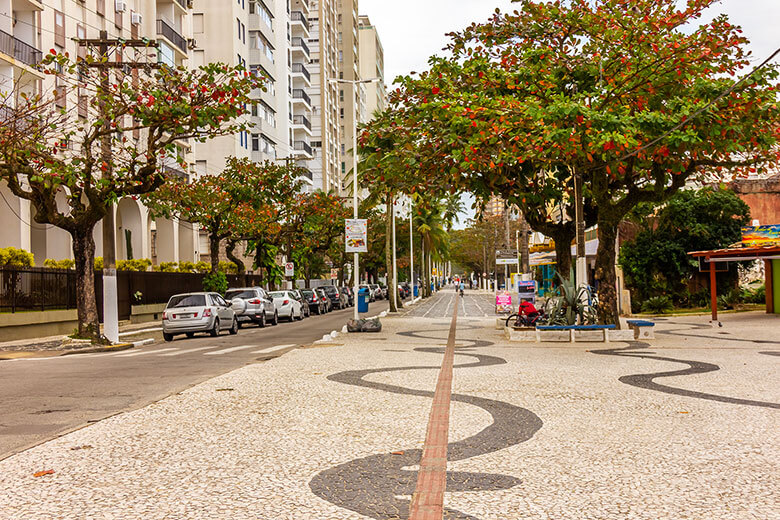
x,y
240,267
605,273
563,251
391,283
214,251
84,255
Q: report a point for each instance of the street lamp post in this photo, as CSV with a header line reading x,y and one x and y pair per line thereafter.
x,y
355,156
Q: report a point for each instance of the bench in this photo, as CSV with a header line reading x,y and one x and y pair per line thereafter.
x,y
572,328
643,329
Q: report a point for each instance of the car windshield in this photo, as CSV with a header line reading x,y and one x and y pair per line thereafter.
x,y
239,294
308,293
330,289
279,294
187,300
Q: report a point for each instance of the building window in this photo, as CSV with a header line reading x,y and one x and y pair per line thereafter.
x,y
197,23
259,42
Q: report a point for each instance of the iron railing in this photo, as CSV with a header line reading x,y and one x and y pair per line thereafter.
x,y
300,69
21,51
301,146
298,93
297,16
298,42
302,120
163,29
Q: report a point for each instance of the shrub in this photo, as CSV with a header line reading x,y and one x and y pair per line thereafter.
x,y
215,282
730,299
167,267
13,257
228,267
754,294
657,305
98,263
59,264
203,267
137,265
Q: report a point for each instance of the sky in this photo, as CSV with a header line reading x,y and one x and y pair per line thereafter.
x,y
413,30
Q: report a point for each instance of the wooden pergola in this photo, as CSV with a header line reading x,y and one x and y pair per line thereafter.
x,y
739,254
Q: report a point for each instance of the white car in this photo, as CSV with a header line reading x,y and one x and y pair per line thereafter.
x,y
197,312
287,305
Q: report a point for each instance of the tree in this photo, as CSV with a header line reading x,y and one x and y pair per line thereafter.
x,y
247,201
656,262
613,91
47,150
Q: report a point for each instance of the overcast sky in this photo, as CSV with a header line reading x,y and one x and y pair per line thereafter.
x,y
413,30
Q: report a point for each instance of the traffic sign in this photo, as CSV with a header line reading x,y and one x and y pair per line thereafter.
x,y
289,269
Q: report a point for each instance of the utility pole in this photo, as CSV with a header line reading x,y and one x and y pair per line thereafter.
x,y
104,46
411,247
580,224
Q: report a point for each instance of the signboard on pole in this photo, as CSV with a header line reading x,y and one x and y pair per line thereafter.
x,y
507,257
761,236
503,302
289,269
356,233
334,274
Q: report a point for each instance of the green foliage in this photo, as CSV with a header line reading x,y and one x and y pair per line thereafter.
x,y
98,263
730,299
228,267
192,267
754,294
137,265
167,267
658,305
657,260
215,282
59,264
13,257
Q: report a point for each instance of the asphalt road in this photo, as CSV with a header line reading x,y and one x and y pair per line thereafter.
x,y
46,397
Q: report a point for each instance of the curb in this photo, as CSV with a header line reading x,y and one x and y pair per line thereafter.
x,y
109,348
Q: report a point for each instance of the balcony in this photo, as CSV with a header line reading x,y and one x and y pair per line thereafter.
x,y
298,68
184,4
20,51
301,146
302,121
170,34
301,95
298,17
299,44
174,172
306,173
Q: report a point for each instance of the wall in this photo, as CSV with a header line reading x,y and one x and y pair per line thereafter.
x,y
763,197
776,285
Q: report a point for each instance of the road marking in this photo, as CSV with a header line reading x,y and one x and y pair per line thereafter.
x,y
187,351
272,349
134,332
229,350
144,352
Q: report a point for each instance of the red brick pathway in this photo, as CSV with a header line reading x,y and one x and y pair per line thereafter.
x,y
428,498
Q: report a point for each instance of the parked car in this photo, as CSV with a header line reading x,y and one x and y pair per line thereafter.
x,y
316,305
324,296
337,298
371,295
384,292
288,307
376,290
197,312
252,304
405,290
305,304
350,296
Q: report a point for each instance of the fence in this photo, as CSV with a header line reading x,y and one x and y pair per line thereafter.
x,y
36,289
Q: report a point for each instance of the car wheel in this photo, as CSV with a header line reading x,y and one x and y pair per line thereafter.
x,y
234,328
276,318
214,332
262,323
167,337
190,335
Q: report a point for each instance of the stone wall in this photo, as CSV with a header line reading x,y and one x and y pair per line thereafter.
x,y
763,197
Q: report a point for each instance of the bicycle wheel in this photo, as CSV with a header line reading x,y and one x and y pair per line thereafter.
x,y
510,318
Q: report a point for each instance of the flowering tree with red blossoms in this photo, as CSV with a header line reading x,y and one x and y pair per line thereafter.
x,y
48,149
632,96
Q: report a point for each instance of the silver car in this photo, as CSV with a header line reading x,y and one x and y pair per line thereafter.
x,y
289,307
198,312
252,304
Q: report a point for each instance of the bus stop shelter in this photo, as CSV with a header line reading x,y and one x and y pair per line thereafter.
x,y
769,254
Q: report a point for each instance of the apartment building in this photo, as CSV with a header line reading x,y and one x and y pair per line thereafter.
x,y
323,48
28,27
351,97
372,65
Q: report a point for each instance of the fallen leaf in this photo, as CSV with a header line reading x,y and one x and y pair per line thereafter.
x,y
224,389
682,412
398,453
85,447
42,473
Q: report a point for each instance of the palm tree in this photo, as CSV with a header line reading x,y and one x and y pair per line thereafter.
x,y
430,223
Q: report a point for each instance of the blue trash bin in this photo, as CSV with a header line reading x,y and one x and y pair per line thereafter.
x,y
363,298
416,291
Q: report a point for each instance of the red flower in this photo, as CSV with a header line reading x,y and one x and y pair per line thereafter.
x,y
435,90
